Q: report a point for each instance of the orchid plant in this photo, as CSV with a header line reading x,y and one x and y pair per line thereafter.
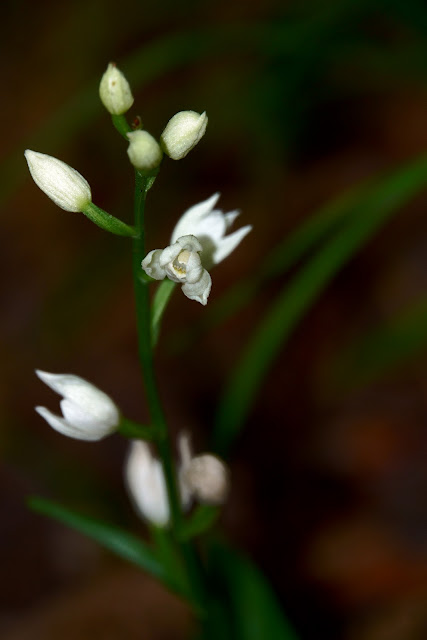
x,y
178,499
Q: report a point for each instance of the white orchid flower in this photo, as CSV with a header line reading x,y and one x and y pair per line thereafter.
x,y
88,413
199,241
146,483
181,263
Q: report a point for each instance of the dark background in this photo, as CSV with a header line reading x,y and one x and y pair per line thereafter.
x,y
305,99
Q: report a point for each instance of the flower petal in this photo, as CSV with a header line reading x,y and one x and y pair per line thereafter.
x,y
151,265
229,243
95,403
62,426
78,417
199,290
169,254
194,268
190,243
189,222
146,484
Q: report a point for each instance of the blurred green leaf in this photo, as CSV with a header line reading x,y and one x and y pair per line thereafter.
x,y
255,611
382,349
120,542
280,260
368,214
202,519
299,38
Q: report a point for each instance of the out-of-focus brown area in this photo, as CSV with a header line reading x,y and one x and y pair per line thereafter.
x,y
330,477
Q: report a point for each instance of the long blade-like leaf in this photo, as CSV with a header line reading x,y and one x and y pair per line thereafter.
x,y
120,542
306,286
255,611
380,350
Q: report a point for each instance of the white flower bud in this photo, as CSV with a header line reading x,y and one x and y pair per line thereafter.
x,y
144,151
63,184
114,91
182,133
89,414
207,478
146,483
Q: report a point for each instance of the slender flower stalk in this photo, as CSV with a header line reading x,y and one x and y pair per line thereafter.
x,y
142,301
161,437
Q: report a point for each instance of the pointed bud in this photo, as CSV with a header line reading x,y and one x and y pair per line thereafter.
x,y
114,91
182,133
63,184
144,151
208,479
146,484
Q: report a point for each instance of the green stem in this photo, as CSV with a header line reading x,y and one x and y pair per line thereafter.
x,y
122,125
143,314
130,429
157,418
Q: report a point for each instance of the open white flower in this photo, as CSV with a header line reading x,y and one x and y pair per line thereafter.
x,y
181,263
89,414
199,241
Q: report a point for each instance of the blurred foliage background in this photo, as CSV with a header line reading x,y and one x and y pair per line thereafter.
x,y
318,133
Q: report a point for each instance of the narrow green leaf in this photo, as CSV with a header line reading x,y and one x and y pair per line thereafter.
x,y
202,519
255,611
120,542
296,298
281,259
383,348
160,302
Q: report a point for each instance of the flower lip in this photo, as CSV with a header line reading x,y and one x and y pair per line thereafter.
x,y
181,263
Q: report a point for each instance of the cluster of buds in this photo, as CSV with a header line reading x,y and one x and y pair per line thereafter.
x,y
181,134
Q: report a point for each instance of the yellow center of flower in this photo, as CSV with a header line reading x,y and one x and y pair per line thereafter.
x,y
180,263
